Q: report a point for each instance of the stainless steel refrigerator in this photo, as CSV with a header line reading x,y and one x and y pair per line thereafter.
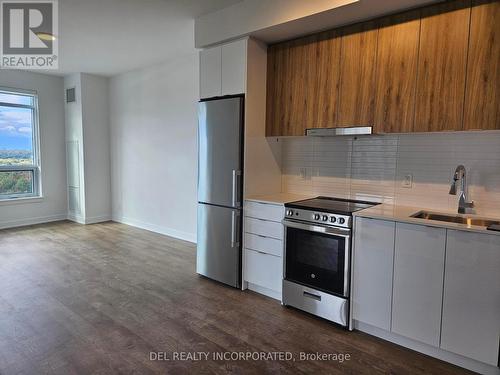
x,y
220,185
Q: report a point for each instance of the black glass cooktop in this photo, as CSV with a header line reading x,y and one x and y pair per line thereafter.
x,y
331,205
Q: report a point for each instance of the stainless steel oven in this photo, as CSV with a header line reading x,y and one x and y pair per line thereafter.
x,y
317,256
316,264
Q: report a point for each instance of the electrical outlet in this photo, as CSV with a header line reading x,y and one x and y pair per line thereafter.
x,y
407,181
303,173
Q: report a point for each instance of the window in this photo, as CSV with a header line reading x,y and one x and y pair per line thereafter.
x,y
19,161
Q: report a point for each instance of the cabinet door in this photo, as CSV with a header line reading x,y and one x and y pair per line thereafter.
x,y
324,81
287,88
357,77
471,306
274,88
482,97
372,272
418,282
210,72
396,74
441,67
303,79
263,270
234,57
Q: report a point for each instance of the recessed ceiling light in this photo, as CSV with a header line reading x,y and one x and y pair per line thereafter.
x,y
46,36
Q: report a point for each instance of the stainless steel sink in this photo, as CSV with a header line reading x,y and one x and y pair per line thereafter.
x,y
467,220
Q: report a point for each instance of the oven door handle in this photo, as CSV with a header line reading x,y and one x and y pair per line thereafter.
x,y
332,231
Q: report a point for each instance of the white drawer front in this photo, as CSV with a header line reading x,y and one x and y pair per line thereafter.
x,y
264,211
264,270
264,244
264,228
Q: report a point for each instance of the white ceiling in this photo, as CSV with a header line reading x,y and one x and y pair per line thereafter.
x,y
109,37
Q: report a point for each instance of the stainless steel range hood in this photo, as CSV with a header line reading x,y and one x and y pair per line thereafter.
x,y
333,132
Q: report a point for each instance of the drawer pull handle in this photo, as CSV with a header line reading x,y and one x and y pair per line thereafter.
x,y
311,295
261,252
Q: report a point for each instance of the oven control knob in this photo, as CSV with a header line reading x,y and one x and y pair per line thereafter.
x,y
333,219
316,217
325,218
341,220
289,213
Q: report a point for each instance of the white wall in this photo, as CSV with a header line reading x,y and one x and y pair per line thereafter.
x,y
153,117
74,148
96,142
374,168
262,158
53,206
88,160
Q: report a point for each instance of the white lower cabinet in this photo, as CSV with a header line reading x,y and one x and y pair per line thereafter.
x,y
263,248
471,305
418,282
264,211
432,285
373,264
264,270
266,228
264,244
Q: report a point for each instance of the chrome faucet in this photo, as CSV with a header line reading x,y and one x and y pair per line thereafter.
x,y
464,207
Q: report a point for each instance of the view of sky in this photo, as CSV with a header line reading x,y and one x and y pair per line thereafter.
x,y
15,123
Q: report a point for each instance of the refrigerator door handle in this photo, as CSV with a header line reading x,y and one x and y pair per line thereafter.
x,y
235,241
236,188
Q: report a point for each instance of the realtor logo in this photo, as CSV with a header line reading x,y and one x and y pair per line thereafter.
x,y
28,34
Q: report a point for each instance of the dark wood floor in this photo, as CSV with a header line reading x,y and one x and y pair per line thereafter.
x,y
98,299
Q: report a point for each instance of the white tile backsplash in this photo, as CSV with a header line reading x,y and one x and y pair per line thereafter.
x,y
375,167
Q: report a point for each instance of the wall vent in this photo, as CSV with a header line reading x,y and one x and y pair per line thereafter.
x,y
70,95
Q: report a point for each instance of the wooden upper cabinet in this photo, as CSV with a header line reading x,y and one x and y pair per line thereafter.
x,y
324,81
482,95
442,67
273,90
277,92
298,78
431,69
357,74
396,73
303,84
286,89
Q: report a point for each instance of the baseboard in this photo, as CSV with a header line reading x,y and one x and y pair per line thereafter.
x,y
190,237
97,219
265,291
458,360
31,221
76,218
88,220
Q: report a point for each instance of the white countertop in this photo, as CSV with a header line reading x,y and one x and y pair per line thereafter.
x,y
403,214
279,198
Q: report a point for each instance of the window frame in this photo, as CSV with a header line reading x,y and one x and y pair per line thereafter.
x,y
34,168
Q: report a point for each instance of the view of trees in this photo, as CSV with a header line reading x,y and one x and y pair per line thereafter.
x,y
15,182
15,157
